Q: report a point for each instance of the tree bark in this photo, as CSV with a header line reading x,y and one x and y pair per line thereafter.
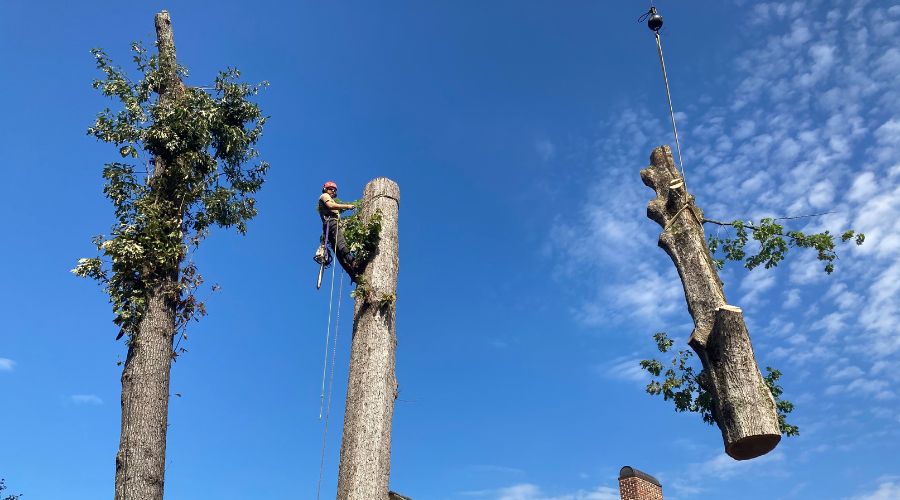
x,y
743,406
743,399
366,447
141,459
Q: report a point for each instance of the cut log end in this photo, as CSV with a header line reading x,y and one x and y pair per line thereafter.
x,y
752,446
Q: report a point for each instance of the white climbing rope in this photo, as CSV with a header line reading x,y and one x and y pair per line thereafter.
x,y
328,328
662,63
337,229
337,329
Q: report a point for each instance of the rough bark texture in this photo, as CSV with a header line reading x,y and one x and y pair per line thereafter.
x,y
743,406
743,399
141,459
372,388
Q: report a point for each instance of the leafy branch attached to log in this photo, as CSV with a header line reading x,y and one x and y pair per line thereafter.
x,y
773,242
362,235
686,388
680,382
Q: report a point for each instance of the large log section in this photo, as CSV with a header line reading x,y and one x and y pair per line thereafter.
x,y
743,406
366,447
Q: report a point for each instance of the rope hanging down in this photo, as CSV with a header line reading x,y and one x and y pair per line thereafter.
x,y
655,23
328,328
337,325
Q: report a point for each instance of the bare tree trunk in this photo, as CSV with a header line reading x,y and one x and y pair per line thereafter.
x,y
140,462
141,459
366,447
743,406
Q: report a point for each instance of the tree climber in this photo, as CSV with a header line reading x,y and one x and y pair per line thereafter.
x,y
329,212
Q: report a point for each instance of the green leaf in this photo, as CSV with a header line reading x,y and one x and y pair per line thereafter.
x,y
206,173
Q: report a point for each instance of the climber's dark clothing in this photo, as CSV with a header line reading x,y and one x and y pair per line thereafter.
x,y
339,245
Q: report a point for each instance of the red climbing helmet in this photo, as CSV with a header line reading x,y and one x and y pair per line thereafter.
x,y
329,184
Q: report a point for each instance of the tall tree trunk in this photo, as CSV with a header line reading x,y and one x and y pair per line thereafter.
x,y
743,406
366,447
141,459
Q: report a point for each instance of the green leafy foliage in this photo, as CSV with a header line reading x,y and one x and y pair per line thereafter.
x,y
362,236
783,406
8,497
685,386
198,168
679,383
773,242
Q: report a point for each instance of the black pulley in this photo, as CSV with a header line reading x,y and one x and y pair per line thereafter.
x,y
654,20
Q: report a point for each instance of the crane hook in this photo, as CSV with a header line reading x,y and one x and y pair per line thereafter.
x,y
654,20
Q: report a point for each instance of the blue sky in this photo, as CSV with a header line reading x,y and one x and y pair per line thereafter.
x,y
530,280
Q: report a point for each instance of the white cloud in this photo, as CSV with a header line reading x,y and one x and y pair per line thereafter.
x,y
646,297
724,467
863,187
879,390
697,478
545,149
889,62
528,491
743,129
626,369
756,283
841,370
791,298
496,469
6,365
86,399
822,194
888,489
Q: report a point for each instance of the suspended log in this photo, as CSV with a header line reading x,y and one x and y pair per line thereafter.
x,y
743,406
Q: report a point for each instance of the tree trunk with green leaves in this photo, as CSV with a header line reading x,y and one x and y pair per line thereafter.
x,y
742,404
372,388
141,459
197,145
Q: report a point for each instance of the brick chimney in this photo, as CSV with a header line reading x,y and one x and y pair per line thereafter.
x,y
637,485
